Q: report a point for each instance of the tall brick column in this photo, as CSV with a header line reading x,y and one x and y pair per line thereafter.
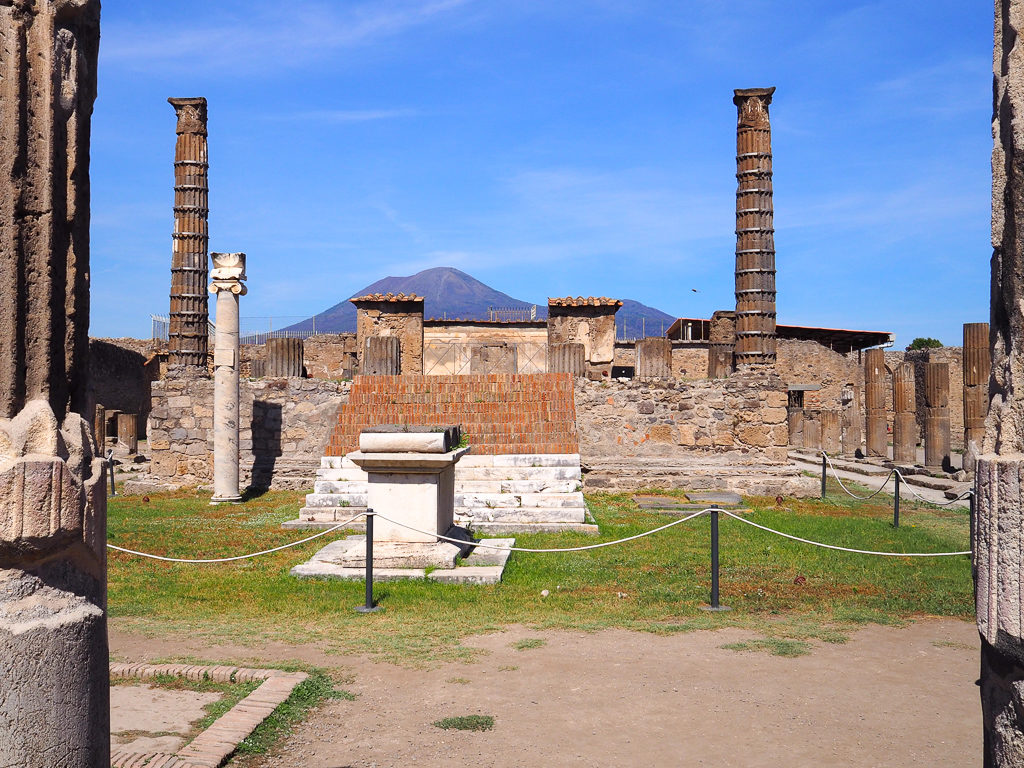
x,y
874,403
755,233
977,368
54,682
904,404
190,315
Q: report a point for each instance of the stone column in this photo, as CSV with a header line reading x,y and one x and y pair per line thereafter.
x,y
755,233
54,682
227,276
654,358
567,357
851,419
128,432
904,405
586,320
284,358
831,433
977,368
189,317
99,430
721,344
936,415
812,430
382,356
874,403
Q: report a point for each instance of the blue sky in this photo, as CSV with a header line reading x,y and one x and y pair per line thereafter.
x,y
554,148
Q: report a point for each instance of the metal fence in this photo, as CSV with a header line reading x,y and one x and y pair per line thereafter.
x,y
252,330
511,314
459,358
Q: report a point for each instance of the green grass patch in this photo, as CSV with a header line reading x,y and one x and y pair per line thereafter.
x,y
776,587
529,642
773,645
466,723
311,692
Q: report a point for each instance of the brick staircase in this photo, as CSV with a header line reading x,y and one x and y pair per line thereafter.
x,y
523,473
501,414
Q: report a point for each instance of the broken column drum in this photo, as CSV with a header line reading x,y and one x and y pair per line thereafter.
x,y
284,358
904,404
189,316
382,356
54,680
850,398
567,357
936,415
755,233
831,432
874,403
977,368
654,358
227,276
128,432
721,344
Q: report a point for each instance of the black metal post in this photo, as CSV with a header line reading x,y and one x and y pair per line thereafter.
x,y
369,606
824,469
896,502
715,604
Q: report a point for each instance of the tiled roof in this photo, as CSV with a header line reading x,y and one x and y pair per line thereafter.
x,y
584,301
388,297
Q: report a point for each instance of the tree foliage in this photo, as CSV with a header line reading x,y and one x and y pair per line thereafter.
x,y
924,342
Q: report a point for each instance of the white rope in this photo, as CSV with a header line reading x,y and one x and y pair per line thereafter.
x,y
842,549
965,495
562,549
848,491
238,557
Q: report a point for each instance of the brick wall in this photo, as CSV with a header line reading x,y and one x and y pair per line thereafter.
x,y
499,413
284,428
743,417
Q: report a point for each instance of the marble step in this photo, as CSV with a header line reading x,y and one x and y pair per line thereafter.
x,y
518,500
351,487
519,515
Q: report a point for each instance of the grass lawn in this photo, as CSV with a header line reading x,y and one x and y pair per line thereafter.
x,y
654,584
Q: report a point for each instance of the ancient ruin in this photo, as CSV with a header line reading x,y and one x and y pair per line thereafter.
x,y
189,318
722,344
397,318
589,321
936,419
228,274
977,367
755,233
284,358
874,403
54,694
999,505
904,426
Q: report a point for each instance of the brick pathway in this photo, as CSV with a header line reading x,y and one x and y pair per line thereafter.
x,y
218,742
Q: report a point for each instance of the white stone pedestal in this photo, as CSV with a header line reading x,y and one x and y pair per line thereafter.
x,y
417,489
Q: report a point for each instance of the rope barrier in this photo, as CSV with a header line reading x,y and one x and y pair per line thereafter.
x,y
966,494
237,557
555,549
841,549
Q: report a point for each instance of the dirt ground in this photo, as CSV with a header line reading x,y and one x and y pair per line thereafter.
x,y
148,719
888,697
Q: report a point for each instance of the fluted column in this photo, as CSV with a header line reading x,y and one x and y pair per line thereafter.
x,y
227,276
977,368
874,403
904,404
936,415
54,679
721,344
189,317
755,233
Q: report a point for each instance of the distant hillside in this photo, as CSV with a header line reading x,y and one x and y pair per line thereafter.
x,y
451,293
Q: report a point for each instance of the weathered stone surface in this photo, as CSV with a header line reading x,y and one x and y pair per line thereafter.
x,y
588,321
382,356
398,316
977,368
53,645
904,427
874,402
284,358
936,415
653,358
567,357
999,508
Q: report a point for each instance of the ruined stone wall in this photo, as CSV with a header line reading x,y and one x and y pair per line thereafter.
x,y
394,319
448,347
742,417
120,379
591,326
689,360
285,425
808,362
325,356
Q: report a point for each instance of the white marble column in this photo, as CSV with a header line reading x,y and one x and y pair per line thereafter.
x,y
227,276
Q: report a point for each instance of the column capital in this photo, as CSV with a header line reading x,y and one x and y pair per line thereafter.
x,y
228,273
753,106
191,114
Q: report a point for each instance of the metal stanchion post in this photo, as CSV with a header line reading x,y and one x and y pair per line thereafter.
x,y
896,502
824,469
715,605
369,606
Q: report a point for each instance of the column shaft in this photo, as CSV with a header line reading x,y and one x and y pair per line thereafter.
x,y
228,272
874,403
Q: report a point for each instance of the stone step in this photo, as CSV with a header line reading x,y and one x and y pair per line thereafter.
x,y
553,474
516,486
341,486
336,500
522,460
520,514
518,500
